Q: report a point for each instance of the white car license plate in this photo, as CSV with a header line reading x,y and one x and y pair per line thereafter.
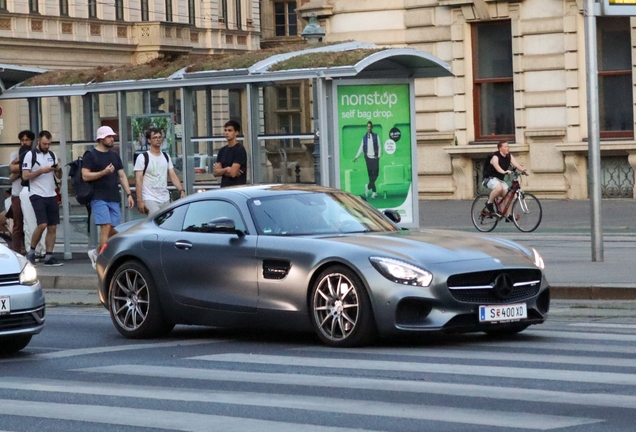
x,y
511,312
5,305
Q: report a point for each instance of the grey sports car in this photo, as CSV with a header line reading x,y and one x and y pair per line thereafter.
x,y
21,302
303,257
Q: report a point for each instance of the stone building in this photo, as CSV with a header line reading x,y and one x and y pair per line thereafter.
x,y
519,75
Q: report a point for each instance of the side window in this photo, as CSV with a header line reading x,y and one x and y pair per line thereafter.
x,y
173,219
203,212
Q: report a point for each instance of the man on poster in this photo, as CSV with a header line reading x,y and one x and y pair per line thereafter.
x,y
372,150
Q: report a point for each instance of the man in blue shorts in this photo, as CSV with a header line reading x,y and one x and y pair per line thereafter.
x,y
104,169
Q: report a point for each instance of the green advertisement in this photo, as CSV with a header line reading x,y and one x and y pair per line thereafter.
x,y
374,128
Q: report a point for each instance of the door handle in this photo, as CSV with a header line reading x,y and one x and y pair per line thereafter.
x,y
182,244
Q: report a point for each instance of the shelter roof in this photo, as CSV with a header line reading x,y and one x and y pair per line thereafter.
x,y
342,60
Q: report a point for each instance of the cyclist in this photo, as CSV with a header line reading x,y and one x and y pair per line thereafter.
x,y
495,169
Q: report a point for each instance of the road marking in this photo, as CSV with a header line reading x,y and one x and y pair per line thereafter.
x,y
309,403
482,355
380,384
435,368
561,346
117,348
170,420
579,335
604,325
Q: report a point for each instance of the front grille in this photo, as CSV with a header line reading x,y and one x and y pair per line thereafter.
x,y
9,279
17,322
477,287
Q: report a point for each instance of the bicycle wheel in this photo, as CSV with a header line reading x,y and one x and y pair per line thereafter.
x,y
482,219
527,212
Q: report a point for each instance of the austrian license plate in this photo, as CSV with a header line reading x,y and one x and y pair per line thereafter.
x,y
5,305
500,313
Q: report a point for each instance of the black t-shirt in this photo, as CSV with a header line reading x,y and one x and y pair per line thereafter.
x,y
228,156
105,188
504,163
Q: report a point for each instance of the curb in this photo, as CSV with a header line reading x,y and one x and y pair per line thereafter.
x,y
69,282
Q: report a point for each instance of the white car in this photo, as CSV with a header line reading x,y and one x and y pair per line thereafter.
x,y
21,302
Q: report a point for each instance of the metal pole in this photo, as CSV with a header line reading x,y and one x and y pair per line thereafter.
x,y
187,147
593,134
124,148
63,161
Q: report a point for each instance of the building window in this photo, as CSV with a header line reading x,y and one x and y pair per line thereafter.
x,y
191,13
3,5
63,7
169,10
144,10
492,81
285,18
119,10
616,110
239,15
223,12
288,112
33,6
92,8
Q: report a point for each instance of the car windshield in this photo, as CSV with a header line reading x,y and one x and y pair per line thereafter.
x,y
316,213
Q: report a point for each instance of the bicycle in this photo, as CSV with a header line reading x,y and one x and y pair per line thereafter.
x,y
526,209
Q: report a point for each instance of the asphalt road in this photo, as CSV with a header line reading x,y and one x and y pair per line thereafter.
x,y
575,373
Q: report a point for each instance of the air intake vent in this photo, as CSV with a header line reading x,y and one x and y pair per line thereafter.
x,y
275,269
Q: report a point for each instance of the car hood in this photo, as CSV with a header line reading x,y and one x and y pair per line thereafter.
x,y
439,246
9,262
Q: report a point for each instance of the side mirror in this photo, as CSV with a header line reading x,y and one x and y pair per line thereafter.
x,y
392,215
223,225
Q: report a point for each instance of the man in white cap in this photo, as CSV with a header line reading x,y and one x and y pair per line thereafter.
x,y
105,170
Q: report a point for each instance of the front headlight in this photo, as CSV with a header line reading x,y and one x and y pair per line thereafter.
x,y
538,261
28,276
401,272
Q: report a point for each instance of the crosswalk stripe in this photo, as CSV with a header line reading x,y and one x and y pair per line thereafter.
x,y
310,403
561,346
170,420
604,325
453,369
481,355
580,335
379,384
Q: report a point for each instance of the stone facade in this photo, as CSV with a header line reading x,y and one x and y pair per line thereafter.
x,y
548,79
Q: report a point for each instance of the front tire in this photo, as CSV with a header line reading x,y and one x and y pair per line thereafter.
x,y
13,344
481,217
133,303
527,213
340,309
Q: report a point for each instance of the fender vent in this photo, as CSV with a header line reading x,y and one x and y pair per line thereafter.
x,y
275,269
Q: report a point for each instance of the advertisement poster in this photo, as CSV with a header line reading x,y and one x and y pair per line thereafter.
x,y
376,154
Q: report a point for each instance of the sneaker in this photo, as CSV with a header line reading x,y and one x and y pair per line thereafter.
x,y
509,218
491,208
31,257
52,262
366,191
374,195
92,254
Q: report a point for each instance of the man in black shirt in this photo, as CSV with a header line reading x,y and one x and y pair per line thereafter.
x,y
231,161
104,169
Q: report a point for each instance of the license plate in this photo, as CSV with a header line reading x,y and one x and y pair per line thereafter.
x,y
513,312
5,305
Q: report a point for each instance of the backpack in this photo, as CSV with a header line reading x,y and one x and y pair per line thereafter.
x,y
83,191
485,169
147,160
34,160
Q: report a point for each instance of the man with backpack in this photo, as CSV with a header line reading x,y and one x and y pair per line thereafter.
x,y
40,168
105,170
496,167
152,169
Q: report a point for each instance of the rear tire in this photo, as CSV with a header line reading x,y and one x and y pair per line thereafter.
x,y
13,344
527,217
481,217
134,305
340,309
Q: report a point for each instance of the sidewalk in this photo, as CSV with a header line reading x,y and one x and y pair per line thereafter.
x,y
563,240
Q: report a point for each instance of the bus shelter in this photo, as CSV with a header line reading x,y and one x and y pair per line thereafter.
x,y
304,113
